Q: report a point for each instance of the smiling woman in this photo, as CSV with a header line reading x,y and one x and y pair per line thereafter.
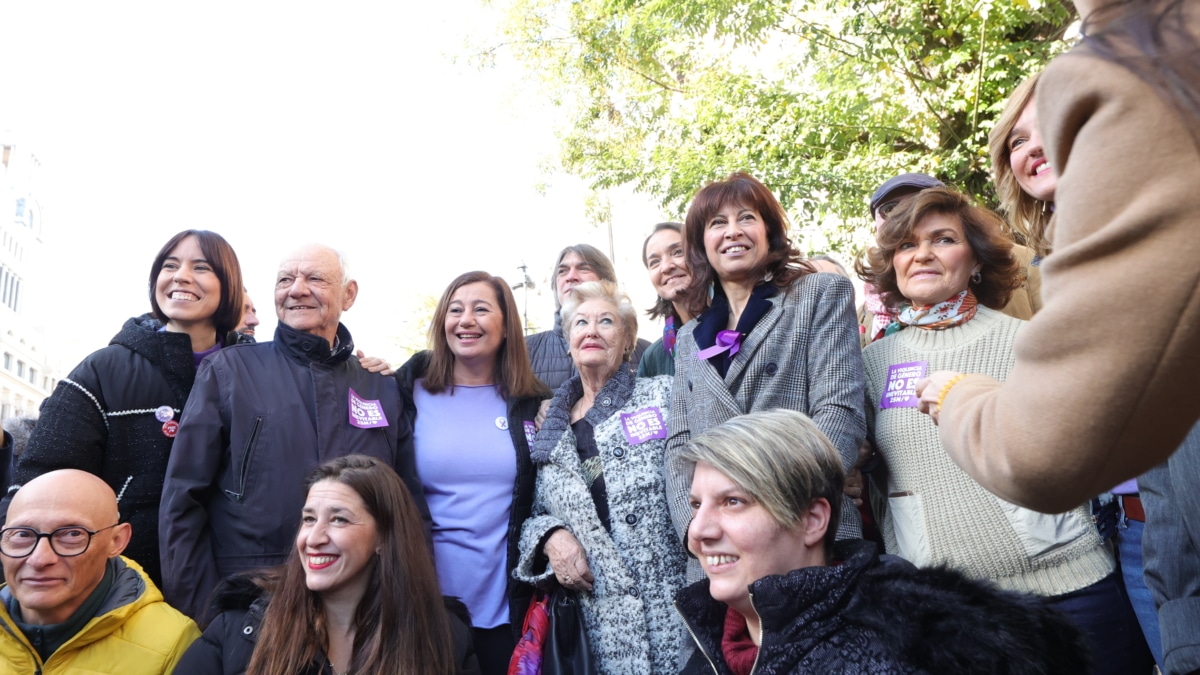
x,y
769,333
600,525
471,400
666,261
116,414
943,266
358,593
783,597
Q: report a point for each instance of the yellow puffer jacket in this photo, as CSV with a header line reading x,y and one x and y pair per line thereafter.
x,y
134,633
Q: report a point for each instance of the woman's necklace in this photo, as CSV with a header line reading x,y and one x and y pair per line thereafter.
x,y
335,670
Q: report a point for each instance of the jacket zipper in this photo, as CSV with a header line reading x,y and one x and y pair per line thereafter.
x,y
760,636
688,625
241,493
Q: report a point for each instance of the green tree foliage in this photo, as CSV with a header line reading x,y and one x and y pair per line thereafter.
x,y
821,99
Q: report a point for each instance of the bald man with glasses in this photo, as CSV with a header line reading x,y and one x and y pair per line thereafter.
x,y
72,602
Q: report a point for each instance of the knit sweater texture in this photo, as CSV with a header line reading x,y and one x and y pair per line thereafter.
x,y
966,527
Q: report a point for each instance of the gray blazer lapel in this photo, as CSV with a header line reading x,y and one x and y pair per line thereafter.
x,y
712,384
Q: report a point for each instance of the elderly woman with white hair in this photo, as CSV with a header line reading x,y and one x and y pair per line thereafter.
x,y
600,523
782,597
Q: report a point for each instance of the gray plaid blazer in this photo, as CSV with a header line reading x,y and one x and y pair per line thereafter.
x,y
804,355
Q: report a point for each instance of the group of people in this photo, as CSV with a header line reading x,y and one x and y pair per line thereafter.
x,y
774,486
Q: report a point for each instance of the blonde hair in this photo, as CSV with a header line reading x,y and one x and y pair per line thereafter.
x,y
779,457
1027,217
610,292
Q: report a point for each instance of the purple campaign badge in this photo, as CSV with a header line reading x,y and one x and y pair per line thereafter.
x,y
644,425
530,431
366,414
901,388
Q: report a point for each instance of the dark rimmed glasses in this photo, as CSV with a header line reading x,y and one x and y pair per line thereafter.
x,y
885,209
66,542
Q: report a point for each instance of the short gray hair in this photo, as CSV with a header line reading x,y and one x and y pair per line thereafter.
x,y
779,457
611,293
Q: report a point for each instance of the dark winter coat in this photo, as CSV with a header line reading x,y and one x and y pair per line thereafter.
x,y
874,614
552,362
260,419
239,604
104,418
520,411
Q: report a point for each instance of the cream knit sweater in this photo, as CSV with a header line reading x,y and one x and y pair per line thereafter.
x,y
937,513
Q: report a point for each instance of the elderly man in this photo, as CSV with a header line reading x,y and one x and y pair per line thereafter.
x,y
548,350
260,418
72,603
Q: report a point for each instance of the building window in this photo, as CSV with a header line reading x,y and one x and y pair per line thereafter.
x,y
33,376
7,361
20,369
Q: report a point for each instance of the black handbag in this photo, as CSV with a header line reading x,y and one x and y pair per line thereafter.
x,y
567,651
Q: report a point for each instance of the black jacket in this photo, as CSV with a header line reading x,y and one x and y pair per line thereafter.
x,y
239,604
102,419
520,411
552,362
874,614
260,419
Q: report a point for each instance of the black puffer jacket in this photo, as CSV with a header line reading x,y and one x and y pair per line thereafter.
x,y
552,362
875,614
102,419
520,411
239,603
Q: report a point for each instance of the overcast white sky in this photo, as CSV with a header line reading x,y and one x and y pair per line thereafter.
x,y
278,123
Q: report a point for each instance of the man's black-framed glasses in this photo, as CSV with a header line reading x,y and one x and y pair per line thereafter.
x,y
67,542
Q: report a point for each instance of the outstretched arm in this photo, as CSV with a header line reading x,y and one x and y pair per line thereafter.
x,y
1104,385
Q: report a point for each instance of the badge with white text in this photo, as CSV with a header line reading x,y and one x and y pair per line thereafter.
x,y
164,413
530,431
170,428
644,425
900,391
365,413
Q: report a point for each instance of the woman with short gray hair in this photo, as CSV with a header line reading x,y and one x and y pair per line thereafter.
x,y
600,525
782,597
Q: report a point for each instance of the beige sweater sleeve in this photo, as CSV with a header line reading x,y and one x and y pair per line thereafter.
x,y
1107,377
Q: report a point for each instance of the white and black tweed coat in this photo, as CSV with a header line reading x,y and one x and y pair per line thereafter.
x,y
639,566
802,355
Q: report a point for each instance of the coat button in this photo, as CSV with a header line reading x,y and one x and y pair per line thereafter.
x,y
631,519
634,591
771,368
606,401
619,452
247,630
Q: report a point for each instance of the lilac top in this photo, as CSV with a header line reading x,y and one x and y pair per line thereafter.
x,y
1129,487
199,356
468,467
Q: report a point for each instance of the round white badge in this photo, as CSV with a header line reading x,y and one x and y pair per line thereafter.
x,y
502,423
164,413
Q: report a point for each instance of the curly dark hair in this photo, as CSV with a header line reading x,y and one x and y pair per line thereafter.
x,y
784,263
999,271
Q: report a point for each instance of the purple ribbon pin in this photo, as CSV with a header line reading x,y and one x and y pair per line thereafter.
x,y
727,341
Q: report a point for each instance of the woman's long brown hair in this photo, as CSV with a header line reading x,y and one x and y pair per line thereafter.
x,y
513,371
401,624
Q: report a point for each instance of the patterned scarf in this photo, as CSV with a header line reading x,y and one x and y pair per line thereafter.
x,y
955,311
